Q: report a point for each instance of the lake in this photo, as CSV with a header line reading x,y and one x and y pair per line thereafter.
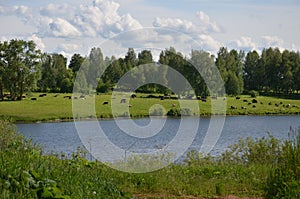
x,y
63,136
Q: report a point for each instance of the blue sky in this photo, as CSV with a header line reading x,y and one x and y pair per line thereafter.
x,y
69,26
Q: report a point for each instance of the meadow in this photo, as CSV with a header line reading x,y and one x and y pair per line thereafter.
x,y
59,107
267,168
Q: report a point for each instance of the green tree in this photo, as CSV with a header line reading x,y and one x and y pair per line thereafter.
x,y
75,62
94,67
251,72
54,71
230,65
271,58
145,57
20,66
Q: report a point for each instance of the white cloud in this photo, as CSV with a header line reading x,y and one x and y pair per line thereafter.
x,y
208,24
244,43
20,10
68,47
175,23
15,10
272,41
199,31
100,19
62,28
38,41
54,10
209,43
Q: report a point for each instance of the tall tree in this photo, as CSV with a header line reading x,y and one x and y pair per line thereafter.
x,y
54,71
251,73
230,65
75,62
20,65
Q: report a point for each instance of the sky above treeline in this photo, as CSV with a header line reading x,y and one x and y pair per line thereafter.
x,y
75,26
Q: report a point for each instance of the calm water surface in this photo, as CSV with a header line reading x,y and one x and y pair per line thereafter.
x,y
63,137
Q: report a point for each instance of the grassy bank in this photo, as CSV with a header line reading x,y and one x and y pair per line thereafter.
x,y
58,106
258,168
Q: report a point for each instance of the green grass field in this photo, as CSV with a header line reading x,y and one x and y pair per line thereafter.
x,y
55,106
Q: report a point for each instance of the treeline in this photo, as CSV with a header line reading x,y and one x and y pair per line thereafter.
x,y
25,68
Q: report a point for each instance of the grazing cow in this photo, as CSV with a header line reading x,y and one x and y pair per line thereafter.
x,y
203,100
276,105
288,106
253,106
43,95
243,107
161,97
69,97
133,96
33,98
82,96
295,106
129,105
55,95
280,102
123,100
254,101
104,103
270,103
237,97
261,103
249,103
233,107
245,100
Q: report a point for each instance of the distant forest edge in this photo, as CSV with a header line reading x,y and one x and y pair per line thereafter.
x,y
24,68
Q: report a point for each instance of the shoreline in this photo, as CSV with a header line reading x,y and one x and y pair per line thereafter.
x,y
59,120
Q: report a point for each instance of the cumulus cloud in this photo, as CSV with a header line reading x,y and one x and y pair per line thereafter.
x,y
54,10
38,41
62,28
202,25
272,41
209,43
245,43
68,47
21,10
175,23
15,10
100,19
199,30
205,21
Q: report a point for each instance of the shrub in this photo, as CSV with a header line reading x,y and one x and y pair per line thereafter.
x,y
253,93
174,112
284,180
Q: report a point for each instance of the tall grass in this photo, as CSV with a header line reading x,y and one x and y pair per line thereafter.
x,y
252,167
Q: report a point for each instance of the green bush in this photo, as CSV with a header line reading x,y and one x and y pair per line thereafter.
x,y
284,179
253,93
174,112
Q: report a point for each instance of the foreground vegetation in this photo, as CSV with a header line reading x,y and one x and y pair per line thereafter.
x,y
57,106
264,168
